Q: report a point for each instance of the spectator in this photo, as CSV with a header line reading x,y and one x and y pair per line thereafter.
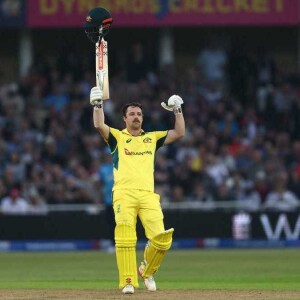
x,y
216,169
11,98
177,194
17,166
37,205
223,193
280,198
14,204
247,197
261,185
56,99
201,195
74,193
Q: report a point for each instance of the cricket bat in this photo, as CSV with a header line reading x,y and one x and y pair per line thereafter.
x,y
102,80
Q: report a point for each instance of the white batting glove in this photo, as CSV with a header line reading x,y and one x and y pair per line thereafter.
x,y
174,102
96,95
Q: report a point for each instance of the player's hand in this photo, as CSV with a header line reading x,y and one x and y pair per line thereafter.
x,y
96,95
174,102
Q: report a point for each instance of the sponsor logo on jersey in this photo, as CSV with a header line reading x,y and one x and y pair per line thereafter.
x,y
128,152
128,141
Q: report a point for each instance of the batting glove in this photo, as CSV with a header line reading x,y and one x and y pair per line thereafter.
x,y
96,96
173,103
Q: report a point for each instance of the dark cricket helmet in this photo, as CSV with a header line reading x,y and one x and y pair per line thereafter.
x,y
97,23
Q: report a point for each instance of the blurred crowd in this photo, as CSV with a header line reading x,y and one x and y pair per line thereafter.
x,y
242,140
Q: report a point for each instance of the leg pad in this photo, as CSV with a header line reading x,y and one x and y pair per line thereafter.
x,y
125,239
155,251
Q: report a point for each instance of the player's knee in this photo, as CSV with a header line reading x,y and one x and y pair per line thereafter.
x,y
125,235
163,240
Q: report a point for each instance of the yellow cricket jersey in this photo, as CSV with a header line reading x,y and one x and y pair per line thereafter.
x,y
133,158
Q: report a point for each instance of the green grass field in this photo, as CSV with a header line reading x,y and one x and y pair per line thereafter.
x,y
270,270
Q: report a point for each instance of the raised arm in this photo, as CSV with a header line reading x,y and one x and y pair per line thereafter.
x,y
174,104
98,113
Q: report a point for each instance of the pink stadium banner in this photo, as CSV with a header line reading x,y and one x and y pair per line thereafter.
x,y
71,13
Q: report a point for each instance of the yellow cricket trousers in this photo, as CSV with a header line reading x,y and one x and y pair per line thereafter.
x,y
128,204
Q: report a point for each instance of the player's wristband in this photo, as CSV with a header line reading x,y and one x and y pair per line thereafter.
x,y
98,106
177,110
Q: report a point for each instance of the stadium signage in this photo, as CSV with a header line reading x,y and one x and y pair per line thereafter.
x,y
70,13
281,229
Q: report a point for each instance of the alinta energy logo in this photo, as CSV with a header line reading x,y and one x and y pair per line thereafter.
x,y
128,152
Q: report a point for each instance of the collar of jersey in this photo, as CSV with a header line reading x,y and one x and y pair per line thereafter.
x,y
126,132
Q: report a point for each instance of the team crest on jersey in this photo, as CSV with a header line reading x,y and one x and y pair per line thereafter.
x,y
128,141
147,140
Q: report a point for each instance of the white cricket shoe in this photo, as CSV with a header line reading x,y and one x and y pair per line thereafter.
x,y
148,282
128,289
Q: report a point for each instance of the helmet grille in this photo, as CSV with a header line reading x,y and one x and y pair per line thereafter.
x,y
95,34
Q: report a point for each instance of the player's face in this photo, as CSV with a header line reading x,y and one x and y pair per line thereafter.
x,y
134,118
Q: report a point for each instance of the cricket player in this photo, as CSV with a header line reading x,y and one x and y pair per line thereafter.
x,y
133,154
